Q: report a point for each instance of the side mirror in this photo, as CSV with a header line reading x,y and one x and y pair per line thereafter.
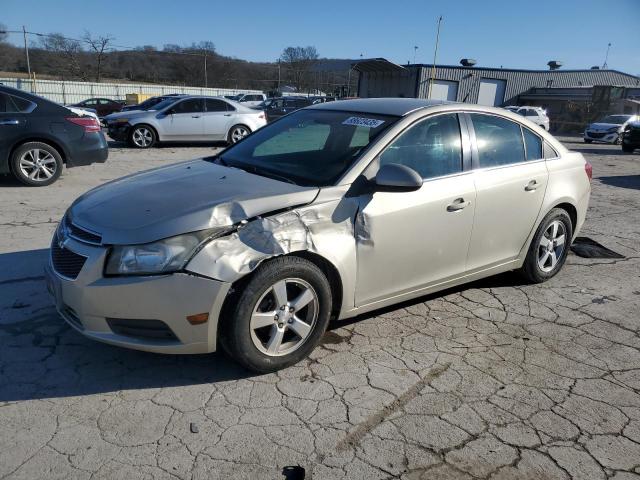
x,y
394,177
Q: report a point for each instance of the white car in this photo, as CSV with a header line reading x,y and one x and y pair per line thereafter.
x,y
251,99
536,115
609,129
83,112
185,119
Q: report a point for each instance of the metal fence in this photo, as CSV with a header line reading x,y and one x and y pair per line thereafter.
x,y
72,92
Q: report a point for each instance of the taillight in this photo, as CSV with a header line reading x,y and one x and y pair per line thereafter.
x,y
90,124
588,169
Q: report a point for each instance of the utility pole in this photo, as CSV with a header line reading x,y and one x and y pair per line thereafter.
x,y
606,57
278,76
435,57
205,69
415,50
26,52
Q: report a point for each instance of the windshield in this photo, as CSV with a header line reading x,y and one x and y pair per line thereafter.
x,y
616,119
307,147
164,103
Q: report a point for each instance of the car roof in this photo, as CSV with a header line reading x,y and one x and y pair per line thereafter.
x,y
381,106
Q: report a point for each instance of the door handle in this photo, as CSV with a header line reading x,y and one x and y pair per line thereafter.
x,y
195,116
227,114
457,205
10,121
531,186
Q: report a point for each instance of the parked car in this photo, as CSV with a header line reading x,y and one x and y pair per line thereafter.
x,y
250,99
536,115
38,137
275,108
631,137
609,129
333,211
83,112
185,119
150,102
102,106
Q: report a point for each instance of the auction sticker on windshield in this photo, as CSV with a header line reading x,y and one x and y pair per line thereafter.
x,y
363,122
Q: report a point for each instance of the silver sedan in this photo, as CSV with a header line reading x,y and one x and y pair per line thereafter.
x,y
333,211
185,119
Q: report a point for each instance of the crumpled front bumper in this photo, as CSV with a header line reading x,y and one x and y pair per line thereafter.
x,y
91,302
607,138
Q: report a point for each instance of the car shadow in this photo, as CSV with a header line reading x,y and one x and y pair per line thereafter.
x,y
125,145
605,150
622,181
43,357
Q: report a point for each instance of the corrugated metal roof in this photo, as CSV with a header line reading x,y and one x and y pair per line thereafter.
x,y
377,65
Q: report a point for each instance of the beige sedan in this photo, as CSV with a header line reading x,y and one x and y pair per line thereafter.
x,y
330,212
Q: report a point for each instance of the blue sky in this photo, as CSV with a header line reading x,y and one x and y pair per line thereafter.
x,y
512,33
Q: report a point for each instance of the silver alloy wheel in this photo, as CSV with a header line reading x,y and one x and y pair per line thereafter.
x,y
284,317
552,245
238,133
142,137
38,165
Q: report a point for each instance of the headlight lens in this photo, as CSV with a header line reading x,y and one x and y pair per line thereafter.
x,y
164,256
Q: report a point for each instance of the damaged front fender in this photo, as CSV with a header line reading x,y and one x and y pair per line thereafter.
x,y
325,228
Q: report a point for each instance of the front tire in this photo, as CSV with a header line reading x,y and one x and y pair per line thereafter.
x,y
586,140
237,133
549,247
142,136
627,148
279,316
36,164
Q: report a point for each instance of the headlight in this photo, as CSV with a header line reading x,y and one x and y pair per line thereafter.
x,y
613,129
164,256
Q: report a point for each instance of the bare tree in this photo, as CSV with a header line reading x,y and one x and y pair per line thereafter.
x,y
299,61
99,45
67,51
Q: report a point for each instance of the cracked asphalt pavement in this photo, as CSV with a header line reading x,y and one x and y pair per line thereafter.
x,y
497,379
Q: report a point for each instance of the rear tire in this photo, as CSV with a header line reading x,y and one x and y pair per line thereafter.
x,y
237,133
36,164
549,247
261,331
142,136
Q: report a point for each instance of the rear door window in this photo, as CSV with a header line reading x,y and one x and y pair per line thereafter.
x,y
533,144
214,105
12,104
499,141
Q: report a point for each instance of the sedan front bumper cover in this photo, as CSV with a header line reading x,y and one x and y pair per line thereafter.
x,y
92,303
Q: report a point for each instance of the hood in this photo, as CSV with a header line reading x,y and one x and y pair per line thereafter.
x,y
604,126
181,198
129,114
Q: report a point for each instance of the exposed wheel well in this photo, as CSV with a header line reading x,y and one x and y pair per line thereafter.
x,y
51,143
573,213
335,282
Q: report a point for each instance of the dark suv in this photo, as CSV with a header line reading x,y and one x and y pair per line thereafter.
x,y
38,136
631,137
275,108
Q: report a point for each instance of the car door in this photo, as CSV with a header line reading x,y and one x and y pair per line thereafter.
x,y
12,124
276,109
510,177
411,240
184,120
218,116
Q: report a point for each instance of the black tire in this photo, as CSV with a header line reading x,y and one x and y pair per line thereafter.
x,y
531,270
237,133
236,334
627,148
142,136
46,169
586,140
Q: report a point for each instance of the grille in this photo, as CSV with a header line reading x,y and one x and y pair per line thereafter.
x,y
597,134
142,329
82,234
65,262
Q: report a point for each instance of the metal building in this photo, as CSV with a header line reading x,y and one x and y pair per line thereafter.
x,y
486,86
